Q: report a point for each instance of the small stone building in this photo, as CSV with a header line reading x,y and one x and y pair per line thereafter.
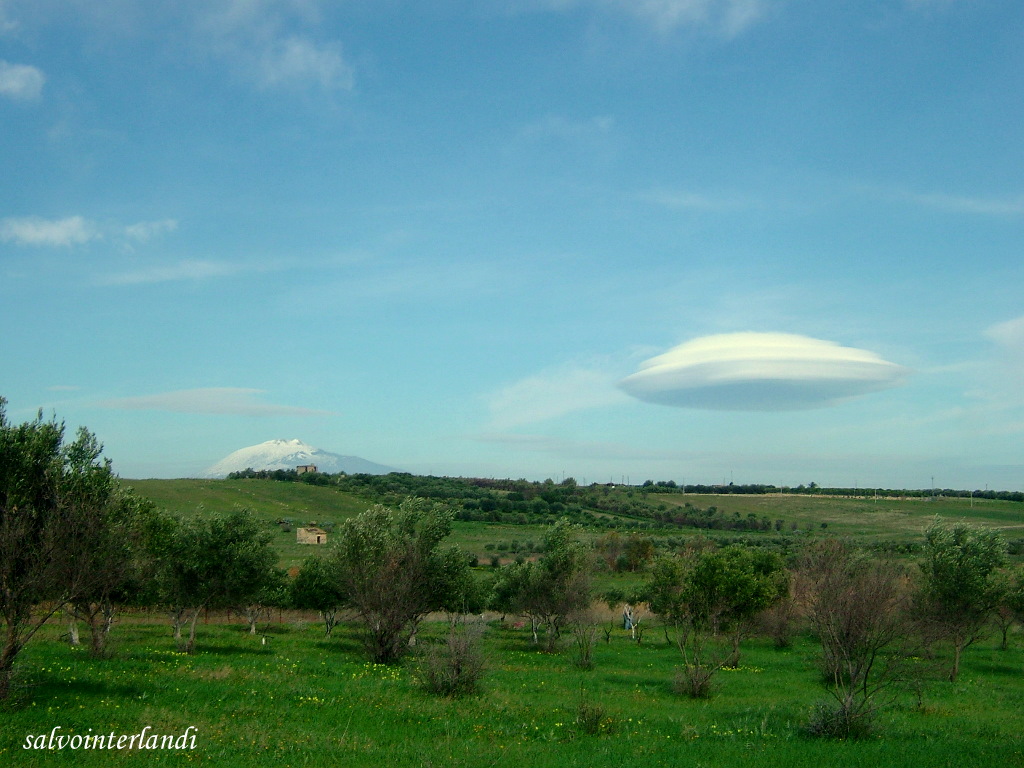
x,y
310,535
304,468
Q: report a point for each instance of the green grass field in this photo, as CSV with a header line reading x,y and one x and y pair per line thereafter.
x,y
303,700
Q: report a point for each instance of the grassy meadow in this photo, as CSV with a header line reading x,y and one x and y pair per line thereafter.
x,y
306,700
301,699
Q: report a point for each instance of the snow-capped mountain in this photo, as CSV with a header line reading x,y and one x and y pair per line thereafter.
x,y
289,454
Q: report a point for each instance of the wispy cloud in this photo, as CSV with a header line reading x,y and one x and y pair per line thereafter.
x,y
576,449
699,201
77,230
981,206
270,42
37,231
297,61
21,82
1008,334
760,372
223,401
147,230
726,17
550,394
165,273
568,129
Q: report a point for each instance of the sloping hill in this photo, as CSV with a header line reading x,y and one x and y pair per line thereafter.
x,y
269,500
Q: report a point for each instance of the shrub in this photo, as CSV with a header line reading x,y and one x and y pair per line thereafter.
x,y
584,636
695,680
455,667
838,721
593,719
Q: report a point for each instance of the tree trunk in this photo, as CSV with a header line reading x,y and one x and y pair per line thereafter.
x,y
190,647
955,671
7,657
734,657
73,638
177,618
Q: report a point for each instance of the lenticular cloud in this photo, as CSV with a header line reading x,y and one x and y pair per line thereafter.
x,y
760,372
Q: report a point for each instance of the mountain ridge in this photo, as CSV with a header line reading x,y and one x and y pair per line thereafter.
x,y
289,454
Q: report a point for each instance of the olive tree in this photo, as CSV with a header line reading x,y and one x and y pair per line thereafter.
x,y
55,500
1010,609
394,567
960,589
113,565
710,593
218,562
551,591
317,588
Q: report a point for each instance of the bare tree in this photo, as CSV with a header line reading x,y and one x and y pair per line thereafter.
x,y
858,608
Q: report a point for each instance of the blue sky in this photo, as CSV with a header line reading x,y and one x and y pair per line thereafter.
x,y
700,240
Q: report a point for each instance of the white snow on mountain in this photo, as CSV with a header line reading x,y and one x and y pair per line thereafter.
x,y
289,454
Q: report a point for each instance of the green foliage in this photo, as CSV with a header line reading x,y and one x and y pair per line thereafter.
x,y
219,562
713,591
549,591
960,589
592,718
731,585
317,587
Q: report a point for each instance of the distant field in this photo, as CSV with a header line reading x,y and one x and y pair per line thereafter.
x,y
866,519
864,516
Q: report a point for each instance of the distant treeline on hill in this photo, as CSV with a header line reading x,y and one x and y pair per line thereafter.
x,y
443,487
600,506
523,502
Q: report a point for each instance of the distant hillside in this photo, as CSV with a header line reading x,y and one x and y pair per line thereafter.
x,y
289,454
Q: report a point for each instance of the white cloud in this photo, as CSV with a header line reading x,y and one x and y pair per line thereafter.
x,y
22,82
37,231
295,61
76,230
551,394
224,401
267,41
147,230
760,372
164,273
